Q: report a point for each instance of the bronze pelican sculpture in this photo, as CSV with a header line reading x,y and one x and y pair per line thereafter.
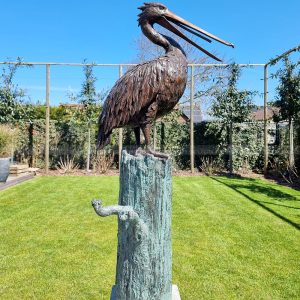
x,y
151,89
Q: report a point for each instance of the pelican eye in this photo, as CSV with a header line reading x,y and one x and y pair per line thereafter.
x,y
161,7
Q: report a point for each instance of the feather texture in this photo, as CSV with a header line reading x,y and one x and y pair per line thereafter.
x,y
145,92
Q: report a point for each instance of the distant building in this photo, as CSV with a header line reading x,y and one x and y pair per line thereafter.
x,y
198,115
272,127
257,114
72,105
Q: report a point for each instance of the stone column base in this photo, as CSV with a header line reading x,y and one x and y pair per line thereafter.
x,y
175,293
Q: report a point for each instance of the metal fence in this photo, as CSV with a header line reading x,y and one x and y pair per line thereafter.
x,y
192,67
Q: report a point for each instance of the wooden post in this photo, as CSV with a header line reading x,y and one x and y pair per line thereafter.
x,y
154,135
47,130
231,148
291,140
120,143
30,144
192,146
144,261
89,147
266,152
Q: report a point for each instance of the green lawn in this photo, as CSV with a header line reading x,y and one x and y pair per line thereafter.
x,y
232,239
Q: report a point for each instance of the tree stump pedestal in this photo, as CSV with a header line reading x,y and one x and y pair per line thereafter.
x,y
144,258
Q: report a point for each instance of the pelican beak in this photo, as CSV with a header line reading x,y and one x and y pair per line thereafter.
x,y
186,25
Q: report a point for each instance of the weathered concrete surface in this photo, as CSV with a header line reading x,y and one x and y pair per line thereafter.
x,y
144,262
175,293
13,180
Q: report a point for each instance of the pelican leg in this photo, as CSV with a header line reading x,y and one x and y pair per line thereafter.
x,y
137,133
149,149
147,134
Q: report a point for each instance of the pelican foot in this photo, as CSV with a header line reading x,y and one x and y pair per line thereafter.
x,y
152,152
157,154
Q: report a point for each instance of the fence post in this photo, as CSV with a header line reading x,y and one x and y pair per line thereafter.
x,y
47,131
192,153
266,153
89,148
291,140
154,135
120,129
231,148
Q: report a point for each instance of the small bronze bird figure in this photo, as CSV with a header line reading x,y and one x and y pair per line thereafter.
x,y
151,89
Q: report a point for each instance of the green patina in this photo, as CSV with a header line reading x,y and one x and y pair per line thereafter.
x,y
144,260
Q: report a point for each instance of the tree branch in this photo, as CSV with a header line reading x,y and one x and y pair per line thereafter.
x,y
123,212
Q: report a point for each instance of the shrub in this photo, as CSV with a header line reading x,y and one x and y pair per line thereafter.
x,y
31,143
8,136
173,137
209,166
103,161
66,166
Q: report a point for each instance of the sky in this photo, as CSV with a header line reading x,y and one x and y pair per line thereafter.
x,y
105,32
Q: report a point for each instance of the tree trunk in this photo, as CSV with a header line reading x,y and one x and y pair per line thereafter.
x,y
144,261
144,266
291,142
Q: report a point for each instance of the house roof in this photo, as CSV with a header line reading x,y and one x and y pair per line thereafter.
x,y
72,105
198,115
258,113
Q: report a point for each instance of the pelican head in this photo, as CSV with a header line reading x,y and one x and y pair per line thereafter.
x,y
158,13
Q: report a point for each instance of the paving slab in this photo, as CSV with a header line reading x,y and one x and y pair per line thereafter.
x,y
14,180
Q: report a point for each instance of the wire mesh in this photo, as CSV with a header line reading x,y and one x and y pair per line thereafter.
x,y
192,148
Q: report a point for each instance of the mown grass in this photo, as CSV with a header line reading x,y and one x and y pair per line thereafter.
x,y
232,239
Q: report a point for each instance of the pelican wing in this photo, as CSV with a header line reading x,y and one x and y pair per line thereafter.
x,y
131,94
